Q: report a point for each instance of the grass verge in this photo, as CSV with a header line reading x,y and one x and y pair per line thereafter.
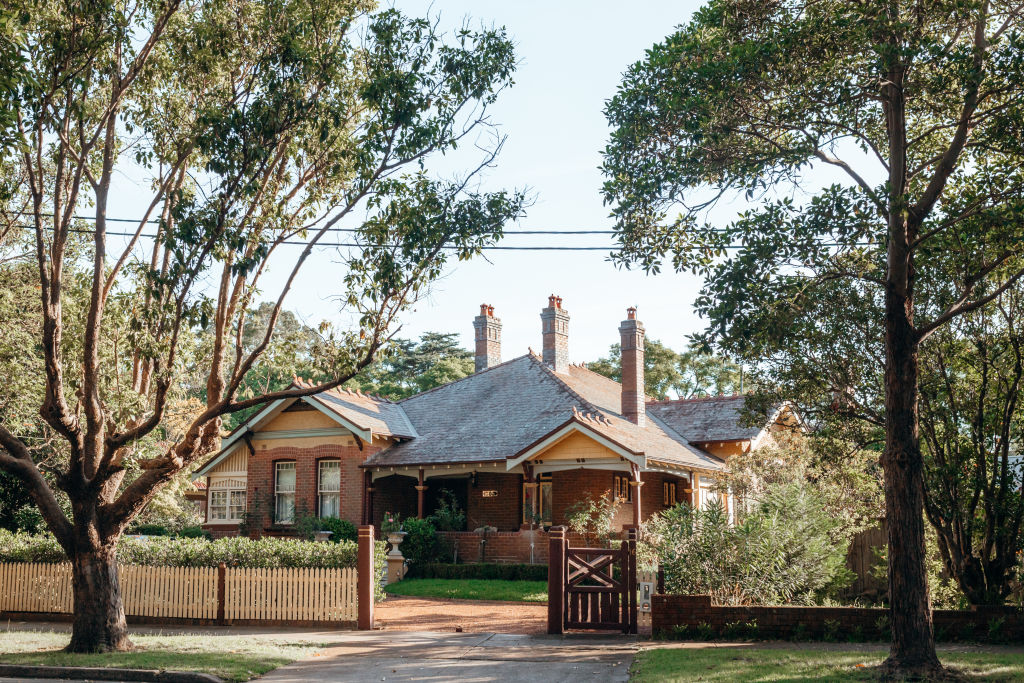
x,y
752,663
472,589
233,658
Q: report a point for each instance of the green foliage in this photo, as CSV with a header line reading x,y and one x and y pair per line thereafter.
x,y
421,544
688,374
150,530
341,529
783,551
740,630
195,532
406,367
193,552
593,518
13,497
29,520
484,571
448,516
472,589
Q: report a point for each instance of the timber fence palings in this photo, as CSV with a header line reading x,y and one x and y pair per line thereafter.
x,y
200,594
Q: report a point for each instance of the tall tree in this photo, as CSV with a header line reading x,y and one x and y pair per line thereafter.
x,y
250,125
409,367
689,374
918,108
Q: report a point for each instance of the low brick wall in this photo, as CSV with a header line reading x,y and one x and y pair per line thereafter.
x,y
696,611
503,546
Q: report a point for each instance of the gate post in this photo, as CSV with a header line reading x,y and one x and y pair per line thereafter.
x,y
629,580
365,578
556,580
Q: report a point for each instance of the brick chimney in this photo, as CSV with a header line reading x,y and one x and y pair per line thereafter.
x,y
631,333
555,327
488,338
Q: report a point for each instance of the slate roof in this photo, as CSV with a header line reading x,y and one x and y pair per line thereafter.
x,y
495,414
372,413
704,420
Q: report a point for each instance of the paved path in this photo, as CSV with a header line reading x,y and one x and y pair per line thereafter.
x,y
402,613
470,657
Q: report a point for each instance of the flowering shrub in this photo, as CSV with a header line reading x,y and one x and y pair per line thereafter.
x,y
193,552
391,523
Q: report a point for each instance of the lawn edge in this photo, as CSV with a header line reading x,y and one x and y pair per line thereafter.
x,y
105,674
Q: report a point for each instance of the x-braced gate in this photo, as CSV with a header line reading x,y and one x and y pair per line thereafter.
x,y
591,588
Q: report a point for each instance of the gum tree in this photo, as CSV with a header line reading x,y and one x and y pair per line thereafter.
x,y
253,131
916,109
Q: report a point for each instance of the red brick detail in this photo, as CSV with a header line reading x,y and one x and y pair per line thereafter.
x,y
260,484
668,611
503,511
395,494
503,546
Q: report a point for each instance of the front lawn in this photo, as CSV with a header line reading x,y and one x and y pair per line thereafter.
x,y
472,589
231,657
799,663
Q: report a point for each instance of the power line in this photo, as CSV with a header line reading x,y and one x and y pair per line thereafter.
x,y
574,231
325,245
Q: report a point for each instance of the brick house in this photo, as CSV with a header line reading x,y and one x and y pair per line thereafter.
x,y
516,444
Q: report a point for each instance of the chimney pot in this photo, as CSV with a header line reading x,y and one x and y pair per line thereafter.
x,y
631,337
487,334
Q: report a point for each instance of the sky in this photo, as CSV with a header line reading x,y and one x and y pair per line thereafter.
x,y
571,58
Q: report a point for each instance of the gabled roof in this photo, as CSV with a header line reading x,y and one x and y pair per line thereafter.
x,y
374,414
499,412
706,420
364,415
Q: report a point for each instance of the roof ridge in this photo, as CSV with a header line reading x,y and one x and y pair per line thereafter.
x,y
462,379
568,389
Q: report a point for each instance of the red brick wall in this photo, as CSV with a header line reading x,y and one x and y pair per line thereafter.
x,y
782,622
570,486
260,482
652,494
503,546
395,494
504,511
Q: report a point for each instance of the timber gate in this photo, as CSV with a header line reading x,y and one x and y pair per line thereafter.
x,y
591,588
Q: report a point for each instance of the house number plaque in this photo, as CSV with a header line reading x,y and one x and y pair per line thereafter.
x,y
489,494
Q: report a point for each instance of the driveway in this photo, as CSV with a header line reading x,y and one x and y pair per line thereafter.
x,y
421,656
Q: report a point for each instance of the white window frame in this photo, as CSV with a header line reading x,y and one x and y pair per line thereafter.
x,y
282,494
321,492
226,503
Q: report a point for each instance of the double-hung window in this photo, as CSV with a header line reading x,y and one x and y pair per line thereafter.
x,y
227,505
329,488
284,492
621,489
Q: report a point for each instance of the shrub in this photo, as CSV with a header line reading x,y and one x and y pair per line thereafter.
x,y
739,630
193,552
501,572
832,628
150,530
195,532
341,529
703,631
593,519
448,516
782,551
420,545
29,519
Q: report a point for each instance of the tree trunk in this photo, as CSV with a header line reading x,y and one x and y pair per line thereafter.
x,y
99,624
912,651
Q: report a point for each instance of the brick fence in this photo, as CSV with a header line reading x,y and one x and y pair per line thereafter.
x,y
696,611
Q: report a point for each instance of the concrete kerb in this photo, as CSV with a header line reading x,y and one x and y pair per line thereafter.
x,y
105,674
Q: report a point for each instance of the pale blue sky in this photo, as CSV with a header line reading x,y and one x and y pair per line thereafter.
x,y
572,55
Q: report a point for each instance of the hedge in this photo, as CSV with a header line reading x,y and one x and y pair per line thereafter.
x,y
265,553
502,572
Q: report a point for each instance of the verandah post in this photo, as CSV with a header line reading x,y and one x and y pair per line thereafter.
x,y
556,580
365,578
421,490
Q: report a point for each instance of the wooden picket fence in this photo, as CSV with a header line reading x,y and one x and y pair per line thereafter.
x,y
291,594
198,593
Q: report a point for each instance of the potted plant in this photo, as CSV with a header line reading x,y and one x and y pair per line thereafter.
x,y
391,527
